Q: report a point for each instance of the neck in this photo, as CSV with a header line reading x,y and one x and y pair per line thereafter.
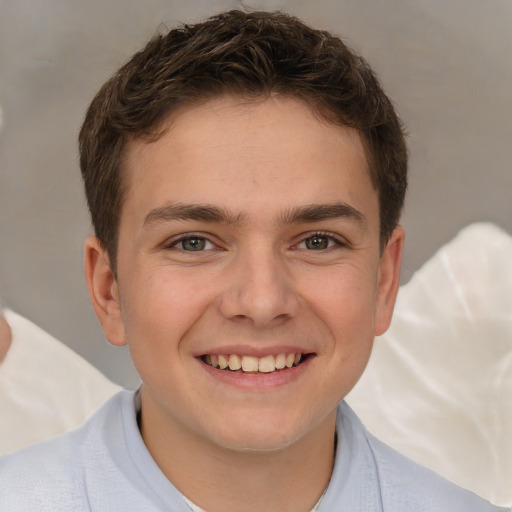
x,y
216,479
5,337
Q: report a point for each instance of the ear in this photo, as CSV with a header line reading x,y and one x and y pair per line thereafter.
x,y
103,291
389,280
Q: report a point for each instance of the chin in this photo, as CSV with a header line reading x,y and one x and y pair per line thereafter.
x,y
257,443
258,434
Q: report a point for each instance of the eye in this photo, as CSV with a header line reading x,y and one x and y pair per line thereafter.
x,y
192,243
319,242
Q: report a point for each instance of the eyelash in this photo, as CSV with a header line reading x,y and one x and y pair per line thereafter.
x,y
184,238
337,242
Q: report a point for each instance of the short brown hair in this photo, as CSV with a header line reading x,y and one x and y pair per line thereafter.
x,y
252,55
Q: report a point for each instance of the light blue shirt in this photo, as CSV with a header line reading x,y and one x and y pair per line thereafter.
x,y
104,466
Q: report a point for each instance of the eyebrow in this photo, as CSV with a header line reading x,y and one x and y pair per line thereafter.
x,y
213,214
199,212
320,212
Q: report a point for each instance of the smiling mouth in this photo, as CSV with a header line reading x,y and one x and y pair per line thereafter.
x,y
250,364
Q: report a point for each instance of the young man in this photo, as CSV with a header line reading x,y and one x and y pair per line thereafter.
x,y
245,178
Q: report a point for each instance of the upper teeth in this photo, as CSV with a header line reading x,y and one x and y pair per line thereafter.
x,y
265,364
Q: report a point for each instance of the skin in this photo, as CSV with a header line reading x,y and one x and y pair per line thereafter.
x,y
274,274
5,338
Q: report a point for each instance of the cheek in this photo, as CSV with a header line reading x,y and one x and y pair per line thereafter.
x,y
346,307
346,301
160,310
349,313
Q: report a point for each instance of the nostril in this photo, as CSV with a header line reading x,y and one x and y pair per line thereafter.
x,y
241,319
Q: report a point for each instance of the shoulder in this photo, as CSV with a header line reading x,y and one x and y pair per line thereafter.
x,y
44,476
51,475
406,485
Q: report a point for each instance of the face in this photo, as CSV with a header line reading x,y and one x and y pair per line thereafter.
x,y
250,281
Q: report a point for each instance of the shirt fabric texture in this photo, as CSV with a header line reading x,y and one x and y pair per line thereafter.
x,y
46,389
105,466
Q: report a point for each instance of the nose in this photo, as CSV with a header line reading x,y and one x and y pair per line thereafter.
x,y
259,290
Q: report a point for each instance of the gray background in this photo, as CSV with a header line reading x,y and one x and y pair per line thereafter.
x,y
445,63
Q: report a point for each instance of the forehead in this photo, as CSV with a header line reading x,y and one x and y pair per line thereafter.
x,y
236,153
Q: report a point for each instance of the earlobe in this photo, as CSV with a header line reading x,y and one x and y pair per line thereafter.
x,y
103,291
389,280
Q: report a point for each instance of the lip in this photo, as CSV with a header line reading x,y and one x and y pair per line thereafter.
x,y
259,381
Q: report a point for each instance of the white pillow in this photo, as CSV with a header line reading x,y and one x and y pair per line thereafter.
x,y
438,387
